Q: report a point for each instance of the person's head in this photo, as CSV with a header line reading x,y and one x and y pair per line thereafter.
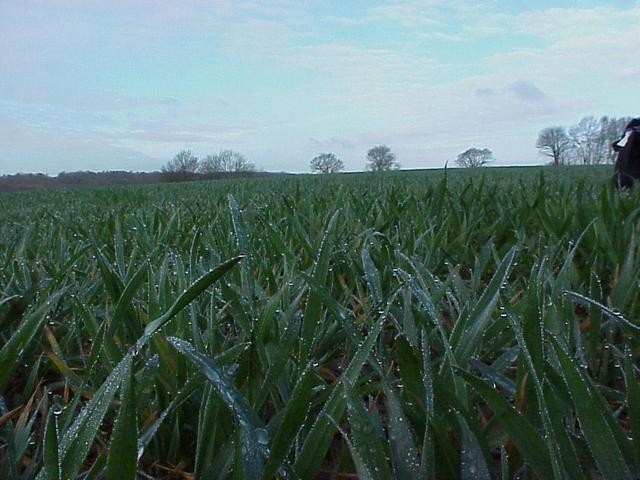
x,y
635,123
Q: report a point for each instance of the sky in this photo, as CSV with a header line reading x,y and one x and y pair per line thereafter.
x,y
126,84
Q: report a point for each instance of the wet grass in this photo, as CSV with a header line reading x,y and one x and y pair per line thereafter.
x,y
478,324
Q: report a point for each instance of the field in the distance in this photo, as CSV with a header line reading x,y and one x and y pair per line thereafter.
x,y
482,324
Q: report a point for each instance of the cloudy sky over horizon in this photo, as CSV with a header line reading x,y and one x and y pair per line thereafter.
x,y
125,84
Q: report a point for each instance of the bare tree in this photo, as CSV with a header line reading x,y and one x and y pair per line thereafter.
x,y
586,139
236,162
226,161
611,129
183,163
554,143
475,157
380,158
326,163
211,164
588,142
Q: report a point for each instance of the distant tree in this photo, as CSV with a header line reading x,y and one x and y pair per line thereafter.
x,y
183,166
210,164
611,129
235,162
554,143
587,142
182,162
326,163
76,179
586,139
226,161
380,158
475,157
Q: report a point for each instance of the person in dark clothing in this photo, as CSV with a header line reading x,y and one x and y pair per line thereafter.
x,y
627,167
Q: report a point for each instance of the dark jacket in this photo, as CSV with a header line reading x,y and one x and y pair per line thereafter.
x,y
627,167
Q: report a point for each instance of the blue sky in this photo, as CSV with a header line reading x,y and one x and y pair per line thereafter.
x,y
124,84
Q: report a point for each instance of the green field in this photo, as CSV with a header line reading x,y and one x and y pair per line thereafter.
x,y
478,324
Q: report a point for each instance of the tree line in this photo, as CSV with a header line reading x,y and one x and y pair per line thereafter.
x,y
32,181
186,166
588,142
379,159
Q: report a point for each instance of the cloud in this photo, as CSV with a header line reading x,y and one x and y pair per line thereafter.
x,y
407,14
418,14
174,132
333,142
627,73
556,24
484,92
572,41
32,151
526,90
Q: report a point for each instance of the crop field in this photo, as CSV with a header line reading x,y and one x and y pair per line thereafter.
x,y
473,324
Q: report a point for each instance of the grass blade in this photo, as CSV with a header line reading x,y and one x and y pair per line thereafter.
x,y
467,334
473,462
122,457
366,440
403,449
196,288
312,310
633,401
601,441
13,350
293,418
51,453
77,440
244,246
319,439
525,437
612,314
252,434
